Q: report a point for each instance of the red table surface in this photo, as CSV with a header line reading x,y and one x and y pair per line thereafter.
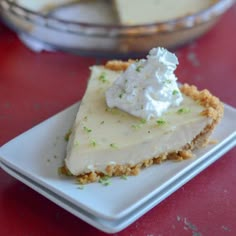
x,y
35,86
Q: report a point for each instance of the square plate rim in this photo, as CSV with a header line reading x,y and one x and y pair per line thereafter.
x,y
104,225
121,215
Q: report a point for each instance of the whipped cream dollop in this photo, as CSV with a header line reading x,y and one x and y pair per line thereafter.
x,y
148,87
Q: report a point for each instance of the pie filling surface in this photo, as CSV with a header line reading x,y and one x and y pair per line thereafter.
x,y
105,141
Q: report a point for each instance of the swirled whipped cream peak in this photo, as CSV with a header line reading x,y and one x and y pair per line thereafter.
x,y
148,87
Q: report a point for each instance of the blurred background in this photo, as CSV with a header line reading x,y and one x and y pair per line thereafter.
x,y
110,28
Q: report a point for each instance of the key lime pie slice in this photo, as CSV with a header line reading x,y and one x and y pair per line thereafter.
x,y
133,115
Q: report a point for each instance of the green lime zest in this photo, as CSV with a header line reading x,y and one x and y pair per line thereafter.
x,y
175,92
103,77
113,145
160,121
93,143
138,68
87,129
140,124
183,110
105,180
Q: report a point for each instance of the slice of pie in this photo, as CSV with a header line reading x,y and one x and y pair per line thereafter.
x,y
110,142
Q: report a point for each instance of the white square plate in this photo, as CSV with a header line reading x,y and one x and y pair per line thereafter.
x,y
34,158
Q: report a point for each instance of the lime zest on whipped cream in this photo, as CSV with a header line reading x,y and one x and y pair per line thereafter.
x,y
148,86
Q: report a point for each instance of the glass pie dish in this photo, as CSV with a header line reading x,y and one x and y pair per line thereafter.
x,y
108,40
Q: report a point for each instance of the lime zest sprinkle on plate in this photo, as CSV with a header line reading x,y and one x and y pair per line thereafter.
x,y
105,180
81,187
143,121
124,177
